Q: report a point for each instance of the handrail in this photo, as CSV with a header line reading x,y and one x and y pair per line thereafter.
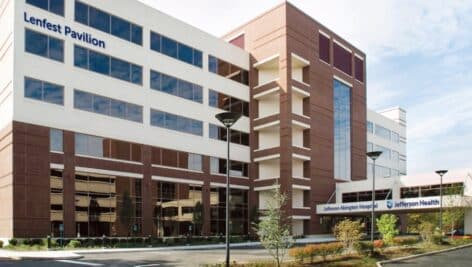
x,y
329,199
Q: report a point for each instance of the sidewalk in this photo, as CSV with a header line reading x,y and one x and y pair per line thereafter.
x,y
76,254
38,255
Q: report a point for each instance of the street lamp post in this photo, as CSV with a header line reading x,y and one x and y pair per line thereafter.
x,y
373,155
441,174
228,119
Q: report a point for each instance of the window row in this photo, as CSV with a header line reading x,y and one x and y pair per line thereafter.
x,y
366,196
237,137
177,50
381,171
107,65
44,45
383,132
342,58
95,146
218,166
108,23
177,159
432,190
178,87
107,106
53,6
228,70
175,122
228,103
44,91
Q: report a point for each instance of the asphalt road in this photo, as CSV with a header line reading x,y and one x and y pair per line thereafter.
x,y
456,258
151,259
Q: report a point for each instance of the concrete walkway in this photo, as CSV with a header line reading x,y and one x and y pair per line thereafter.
x,y
76,254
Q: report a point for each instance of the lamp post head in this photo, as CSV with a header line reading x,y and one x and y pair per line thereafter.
x,y
441,172
228,118
374,154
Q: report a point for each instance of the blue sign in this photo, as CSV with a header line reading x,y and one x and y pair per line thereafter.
x,y
65,30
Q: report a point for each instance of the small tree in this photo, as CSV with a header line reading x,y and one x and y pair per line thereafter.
x,y
426,230
273,229
348,233
387,226
127,212
454,214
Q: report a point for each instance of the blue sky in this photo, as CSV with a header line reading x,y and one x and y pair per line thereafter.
x,y
419,57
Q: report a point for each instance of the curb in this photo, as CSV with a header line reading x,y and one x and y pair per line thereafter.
x,y
379,263
35,258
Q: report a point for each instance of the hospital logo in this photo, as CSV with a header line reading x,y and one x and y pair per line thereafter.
x,y
389,204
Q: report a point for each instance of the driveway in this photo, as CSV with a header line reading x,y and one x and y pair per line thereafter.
x,y
456,258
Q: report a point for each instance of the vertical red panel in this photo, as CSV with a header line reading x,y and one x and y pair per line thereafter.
x,y
238,41
359,69
323,45
342,59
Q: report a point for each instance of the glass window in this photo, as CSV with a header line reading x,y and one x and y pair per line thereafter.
x,y
54,6
382,132
228,103
88,145
195,162
81,12
99,19
227,70
175,86
385,152
99,62
120,28
395,137
342,131
36,43
324,48
55,140
155,42
169,47
120,69
219,133
342,59
107,106
33,89
44,45
136,34
81,57
175,122
370,127
370,147
176,50
83,101
44,91
186,53
53,93
118,109
108,23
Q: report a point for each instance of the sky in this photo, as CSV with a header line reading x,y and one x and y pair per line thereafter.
x,y
419,57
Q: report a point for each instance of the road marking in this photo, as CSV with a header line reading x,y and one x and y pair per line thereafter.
x,y
148,265
80,263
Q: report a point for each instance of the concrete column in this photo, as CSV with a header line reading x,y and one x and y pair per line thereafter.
x,y
468,222
147,208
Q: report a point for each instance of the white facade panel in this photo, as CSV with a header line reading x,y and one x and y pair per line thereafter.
x,y
71,77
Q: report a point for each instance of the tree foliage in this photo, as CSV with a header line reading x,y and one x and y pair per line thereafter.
x,y
348,233
387,226
198,215
273,228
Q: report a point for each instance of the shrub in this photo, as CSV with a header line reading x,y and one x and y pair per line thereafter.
x,y
1,244
363,246
26,242
378,244
437,239
74,244
387,225
426,230
13,242
37,242
405,240
348,233
299,253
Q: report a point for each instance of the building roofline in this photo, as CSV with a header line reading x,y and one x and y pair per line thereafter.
x,y
288,3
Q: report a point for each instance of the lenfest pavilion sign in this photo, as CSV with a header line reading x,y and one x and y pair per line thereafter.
x,y
64,29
